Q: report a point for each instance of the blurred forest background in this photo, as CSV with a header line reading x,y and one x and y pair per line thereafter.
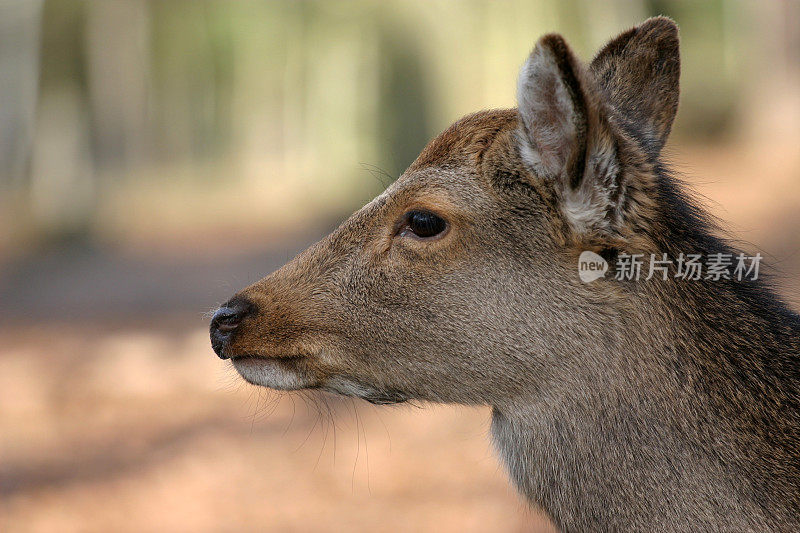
x,y
155,156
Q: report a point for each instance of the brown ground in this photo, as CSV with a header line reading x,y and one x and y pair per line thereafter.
x,y
113,422
118,429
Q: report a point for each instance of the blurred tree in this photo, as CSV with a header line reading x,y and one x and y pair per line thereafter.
x,y
142,106
20,22
405,97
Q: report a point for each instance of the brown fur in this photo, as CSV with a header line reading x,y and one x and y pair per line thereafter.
x,y
642,92
660,405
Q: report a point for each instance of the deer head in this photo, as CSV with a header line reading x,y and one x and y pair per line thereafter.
x,y
459,282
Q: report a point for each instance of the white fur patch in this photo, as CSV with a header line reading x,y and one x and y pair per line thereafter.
x,y
583,211
272,373
529,155
346,387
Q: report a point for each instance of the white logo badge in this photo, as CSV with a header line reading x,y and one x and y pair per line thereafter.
x,y
591,266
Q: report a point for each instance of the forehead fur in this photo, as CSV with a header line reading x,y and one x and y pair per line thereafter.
x,y
466,139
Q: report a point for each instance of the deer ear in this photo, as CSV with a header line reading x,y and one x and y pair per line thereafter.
x,y
552,110
564,138
638,73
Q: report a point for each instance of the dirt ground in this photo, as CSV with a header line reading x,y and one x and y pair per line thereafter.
x,y
119,429
115,415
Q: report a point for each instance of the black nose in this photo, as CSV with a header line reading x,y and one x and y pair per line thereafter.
x,y
225,322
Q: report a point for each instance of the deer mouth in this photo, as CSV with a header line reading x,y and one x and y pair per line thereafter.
x,y
252,357
294,373
280,373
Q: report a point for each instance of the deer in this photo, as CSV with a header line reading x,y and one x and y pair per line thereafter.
x,y
661,404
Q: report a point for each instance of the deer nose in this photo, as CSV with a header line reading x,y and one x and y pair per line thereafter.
x,y
225,322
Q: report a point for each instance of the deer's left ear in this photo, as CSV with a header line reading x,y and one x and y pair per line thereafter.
x,y
638,73
564,137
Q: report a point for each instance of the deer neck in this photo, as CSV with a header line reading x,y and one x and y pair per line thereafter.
x,y
620,442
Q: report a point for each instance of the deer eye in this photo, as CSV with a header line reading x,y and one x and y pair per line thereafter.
x,y
424,224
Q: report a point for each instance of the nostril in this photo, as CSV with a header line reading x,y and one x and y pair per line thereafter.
x,y
225,321
225,327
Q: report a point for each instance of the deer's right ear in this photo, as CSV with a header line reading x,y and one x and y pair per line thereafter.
x,y
564,138
552,110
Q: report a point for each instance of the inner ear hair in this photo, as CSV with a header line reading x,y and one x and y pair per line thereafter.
x,y
569,68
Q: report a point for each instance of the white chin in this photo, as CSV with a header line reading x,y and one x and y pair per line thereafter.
x,y
273,373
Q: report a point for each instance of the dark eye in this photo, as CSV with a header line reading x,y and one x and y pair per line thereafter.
x,y
425,224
